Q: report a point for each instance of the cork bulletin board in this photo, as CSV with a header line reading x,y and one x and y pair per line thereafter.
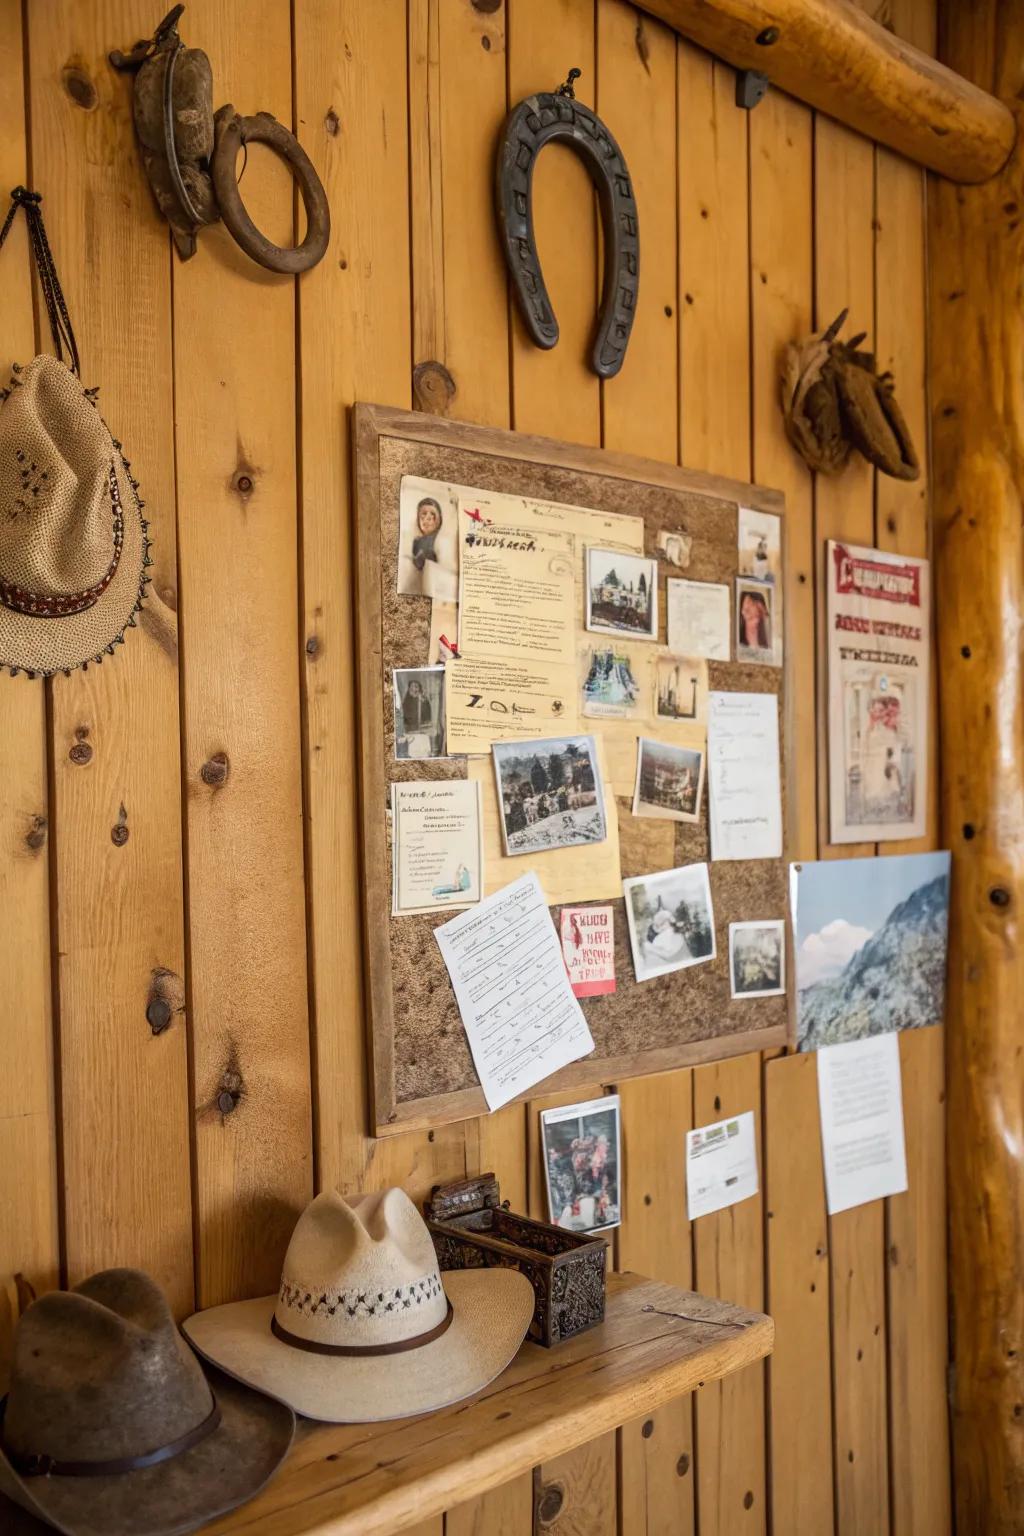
x,y
423,1072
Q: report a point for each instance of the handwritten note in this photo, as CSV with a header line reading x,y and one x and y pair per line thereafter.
x,y
698,619
513,992
743,771
437,838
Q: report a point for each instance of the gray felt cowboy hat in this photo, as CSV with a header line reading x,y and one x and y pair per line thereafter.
x,y
111,1427
364,1326
73,541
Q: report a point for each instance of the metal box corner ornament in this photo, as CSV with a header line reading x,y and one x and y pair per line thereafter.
x,y
190,152
535,122
473,1228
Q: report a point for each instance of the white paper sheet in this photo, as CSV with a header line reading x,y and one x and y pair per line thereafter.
x,y
743,772
520,1015
861,1101
698,619
721,1165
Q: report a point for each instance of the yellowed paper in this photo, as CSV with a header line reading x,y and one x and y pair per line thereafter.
x,y
587,873
506,700
653,688
516,594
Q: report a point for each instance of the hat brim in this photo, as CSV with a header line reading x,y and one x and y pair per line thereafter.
x,y
491,1311
223,1471
47,646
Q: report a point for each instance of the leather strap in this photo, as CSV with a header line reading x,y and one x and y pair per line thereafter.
x,y
362,1349
41,1465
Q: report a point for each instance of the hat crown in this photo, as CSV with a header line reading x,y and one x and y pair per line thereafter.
x,y
57,520
361,1272
101,1373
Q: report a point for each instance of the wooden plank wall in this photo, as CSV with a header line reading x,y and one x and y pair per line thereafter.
x,y
222,736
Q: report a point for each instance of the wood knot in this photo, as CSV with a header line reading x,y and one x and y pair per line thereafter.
x,y
215,770
487,7
35,837
999,896
166,998
647,1429
332,122
549,1504
79,87
119,831
158,1015
313,646
230,1090
242,484
433,388
81,753
682,1465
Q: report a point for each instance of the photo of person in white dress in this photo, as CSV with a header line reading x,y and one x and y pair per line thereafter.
x,y
671,920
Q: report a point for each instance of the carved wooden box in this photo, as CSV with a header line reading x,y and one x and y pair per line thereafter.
x,y
472,1229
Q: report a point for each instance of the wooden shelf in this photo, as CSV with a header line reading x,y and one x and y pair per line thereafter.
x,y
379,1479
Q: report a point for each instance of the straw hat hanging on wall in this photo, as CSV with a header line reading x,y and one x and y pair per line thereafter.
x,y
74,547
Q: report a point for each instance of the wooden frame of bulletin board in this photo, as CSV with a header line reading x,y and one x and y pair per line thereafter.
x,y
423,1072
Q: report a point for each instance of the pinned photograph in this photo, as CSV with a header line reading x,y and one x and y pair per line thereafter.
x,y
757,959
669,781
419,712
760,545
680,688
870,939
549,793
428,540
622,594
610,688
755,621
676,548
671,920
582,1155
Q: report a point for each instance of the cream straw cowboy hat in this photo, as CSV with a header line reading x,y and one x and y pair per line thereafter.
x,y
111,1428
73,541
364,1326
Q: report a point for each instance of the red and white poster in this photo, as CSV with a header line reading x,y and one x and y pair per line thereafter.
x,y
879,647
588,948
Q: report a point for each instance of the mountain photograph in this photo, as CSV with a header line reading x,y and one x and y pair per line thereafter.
x,y
870,946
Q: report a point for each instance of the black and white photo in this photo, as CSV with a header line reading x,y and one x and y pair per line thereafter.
x,y
757,958
622,594
419,712
549,793
671,920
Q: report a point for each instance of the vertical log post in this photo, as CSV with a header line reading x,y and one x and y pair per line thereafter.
x,y
976,261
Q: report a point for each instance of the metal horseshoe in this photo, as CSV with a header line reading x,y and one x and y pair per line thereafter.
x,y
190,155
540,120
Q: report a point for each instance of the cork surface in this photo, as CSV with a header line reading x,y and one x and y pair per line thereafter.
x,y
430,1053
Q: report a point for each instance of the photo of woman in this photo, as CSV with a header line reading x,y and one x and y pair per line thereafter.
x,y
754,628
419,712
428,552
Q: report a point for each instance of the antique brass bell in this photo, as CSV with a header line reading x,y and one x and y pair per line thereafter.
x,y
190,153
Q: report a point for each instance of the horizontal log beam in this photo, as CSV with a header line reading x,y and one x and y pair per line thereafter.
x,y
833,56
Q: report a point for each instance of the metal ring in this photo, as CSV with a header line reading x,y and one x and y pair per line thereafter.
x,y
537,121
231,132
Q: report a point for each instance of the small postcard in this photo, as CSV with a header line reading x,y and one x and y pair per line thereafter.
x,y
760,545
755,622
588,949
622,594
699,619
669,781
521,1018
419,712
549,793
680,688
612,681
721,1165
757,958
437,843
582,1156
428,540
671,920
675,547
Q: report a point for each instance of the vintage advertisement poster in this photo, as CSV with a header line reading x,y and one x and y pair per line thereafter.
x,y
878,638
588,949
